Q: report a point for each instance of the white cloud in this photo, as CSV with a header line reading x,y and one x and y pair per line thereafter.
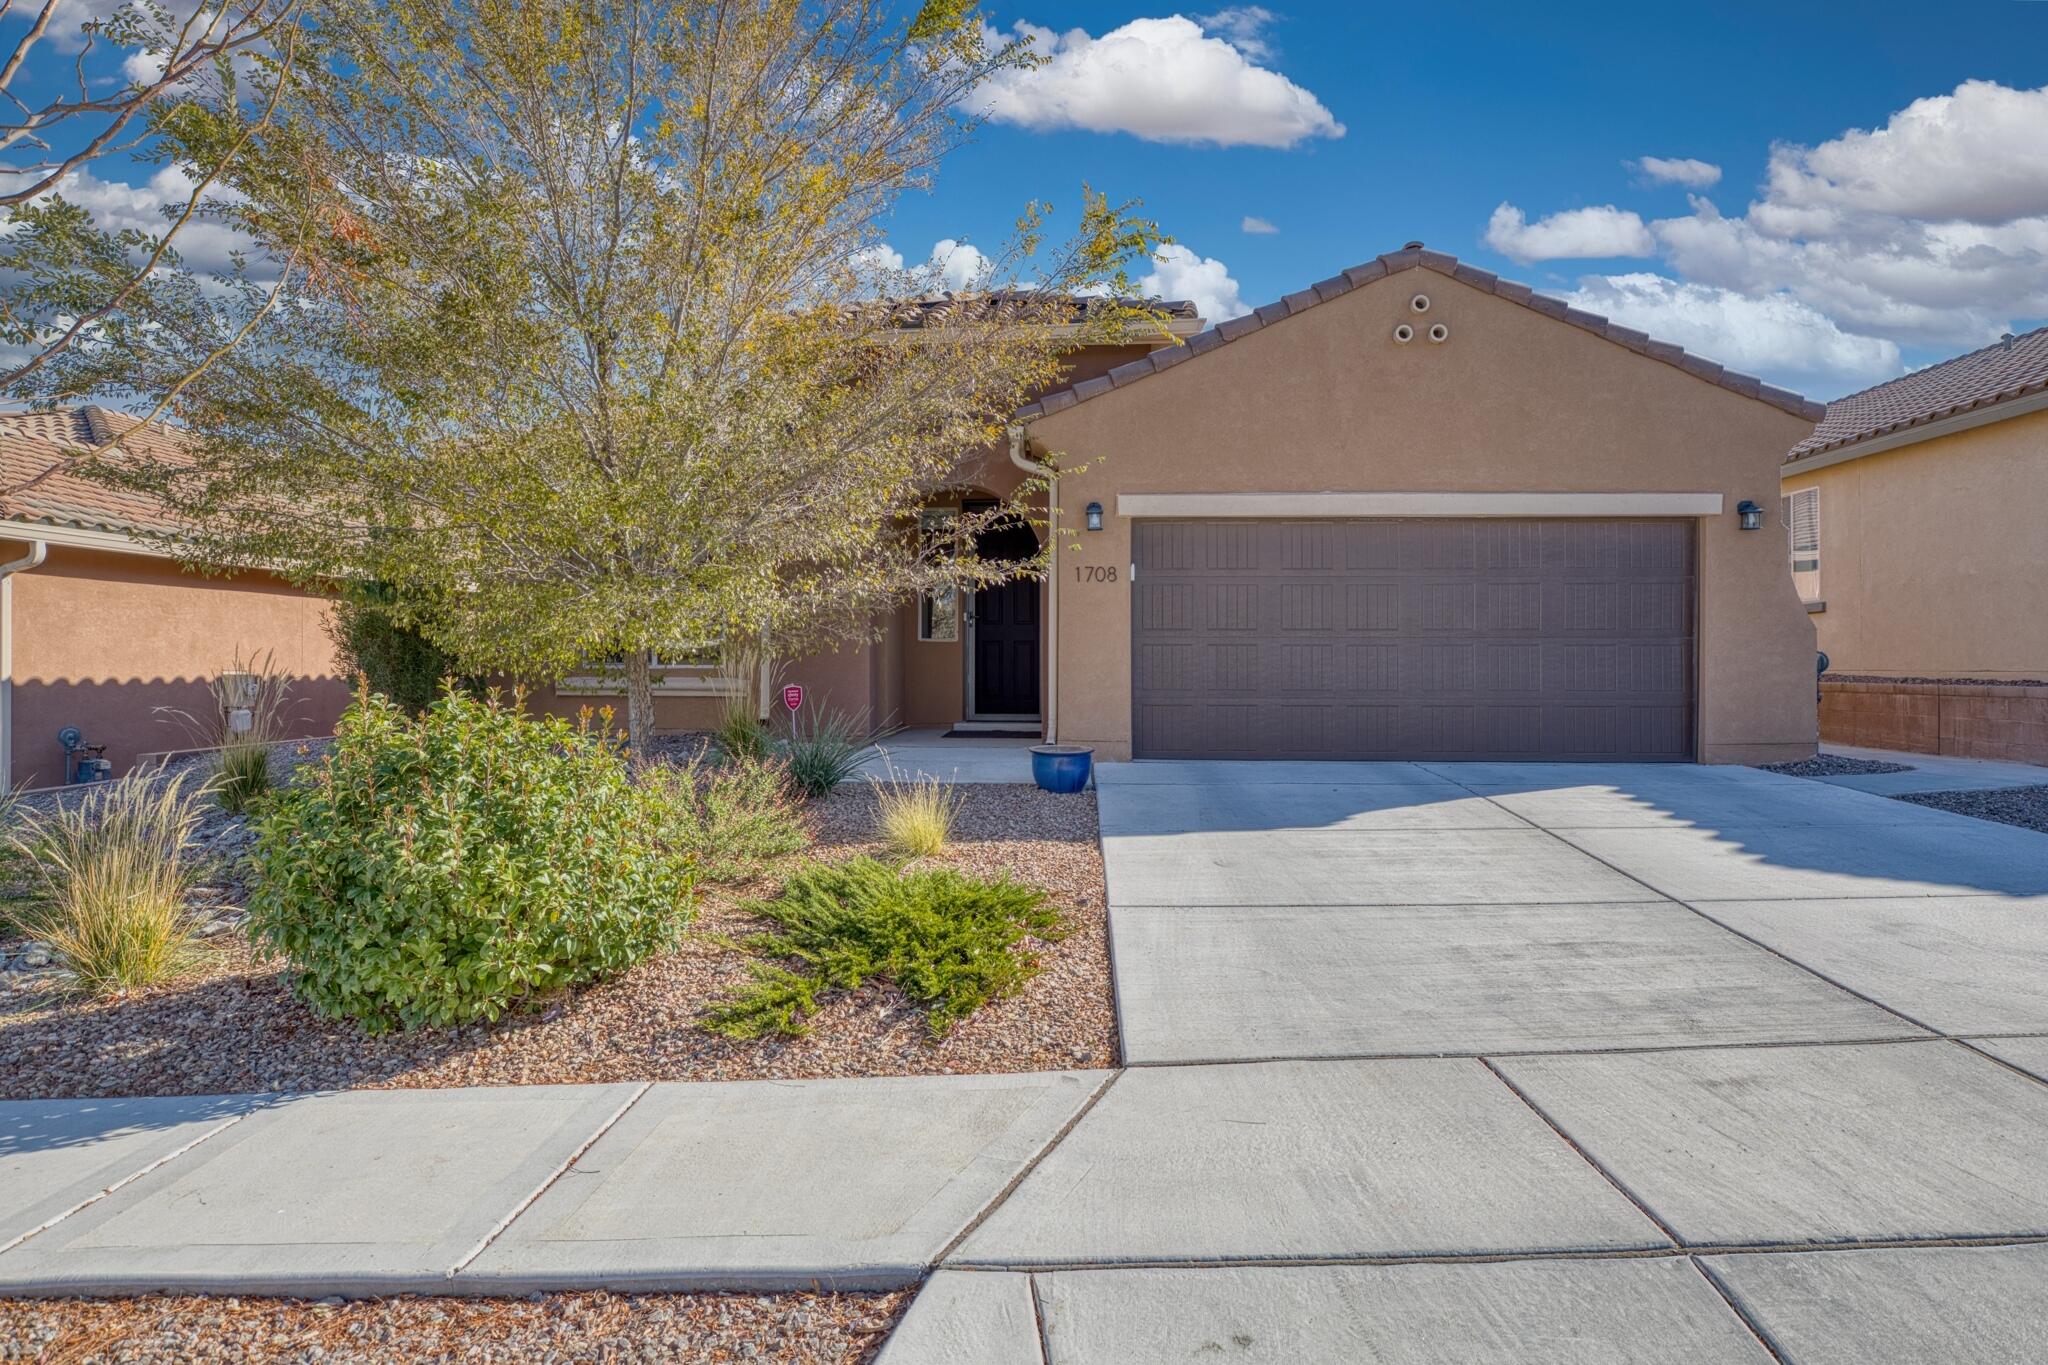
x,y
957,265
1179,273
205,246
1979,155
1243,27
1930,232
1677,170
1162,80
1575,233
1773,334
1257,227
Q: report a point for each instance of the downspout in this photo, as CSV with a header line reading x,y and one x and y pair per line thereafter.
x,y
1052,584
38,551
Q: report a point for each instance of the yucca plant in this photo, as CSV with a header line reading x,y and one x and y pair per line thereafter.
x,y
821,753
916,816
109,876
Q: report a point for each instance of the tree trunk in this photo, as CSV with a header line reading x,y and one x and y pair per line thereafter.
x,y
640,703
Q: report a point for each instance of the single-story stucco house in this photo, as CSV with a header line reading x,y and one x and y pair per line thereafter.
x,y
1413,512
1918,543
98,628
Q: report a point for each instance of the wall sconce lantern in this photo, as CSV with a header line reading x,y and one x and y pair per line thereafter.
x,y
1751,514
1095,516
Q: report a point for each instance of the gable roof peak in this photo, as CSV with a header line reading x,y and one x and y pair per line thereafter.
x,y
1414,256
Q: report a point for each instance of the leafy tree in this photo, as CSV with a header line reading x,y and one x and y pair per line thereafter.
x,y
198,85
598,352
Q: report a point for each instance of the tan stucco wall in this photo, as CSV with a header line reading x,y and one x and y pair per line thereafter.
x,y
1514,401
1933,555
100,639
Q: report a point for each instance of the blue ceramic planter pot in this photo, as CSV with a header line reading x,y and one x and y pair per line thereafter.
x,y
1062,768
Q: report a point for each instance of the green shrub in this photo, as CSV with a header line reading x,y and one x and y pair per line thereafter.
x,y
822,753
244,776
399,662
445,868
109,875
950,942
733,819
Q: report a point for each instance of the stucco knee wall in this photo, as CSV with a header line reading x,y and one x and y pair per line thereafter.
x,y
1327,401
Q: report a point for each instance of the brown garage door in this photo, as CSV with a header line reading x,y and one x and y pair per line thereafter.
x,y
1417,639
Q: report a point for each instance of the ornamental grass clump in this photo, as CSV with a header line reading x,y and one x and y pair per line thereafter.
x,y
949,942
436,870
108,879
917,816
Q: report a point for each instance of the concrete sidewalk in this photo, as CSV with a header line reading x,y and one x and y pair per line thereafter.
x,y
973,760
1932,772
749,1184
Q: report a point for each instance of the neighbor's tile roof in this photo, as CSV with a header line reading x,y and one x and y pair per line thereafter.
x,y
2011,368
1413,258
37,485
941,308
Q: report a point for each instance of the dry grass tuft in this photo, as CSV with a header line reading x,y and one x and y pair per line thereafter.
x,y
111,874
916,818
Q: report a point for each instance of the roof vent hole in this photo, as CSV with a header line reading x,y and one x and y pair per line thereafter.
x,y
1420,303
1404,334
1439,333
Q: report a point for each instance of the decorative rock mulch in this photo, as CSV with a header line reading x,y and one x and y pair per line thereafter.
x,y
788,1329
233,1025
1835,765
2026,807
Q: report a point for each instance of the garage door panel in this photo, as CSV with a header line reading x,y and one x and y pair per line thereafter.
x,y
1414,639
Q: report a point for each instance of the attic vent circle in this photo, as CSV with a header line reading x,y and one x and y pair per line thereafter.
x,y
1404,334
1420,303
1439,333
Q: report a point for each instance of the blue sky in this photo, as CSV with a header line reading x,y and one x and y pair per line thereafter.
x,y
1873,255
1844,192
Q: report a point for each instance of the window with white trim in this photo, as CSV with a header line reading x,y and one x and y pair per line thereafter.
x,y
1801,511
938,613
679,668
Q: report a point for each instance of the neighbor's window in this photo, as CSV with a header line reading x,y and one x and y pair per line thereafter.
x,y
938,613
1802,523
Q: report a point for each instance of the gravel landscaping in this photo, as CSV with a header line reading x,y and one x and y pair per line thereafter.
x,y
1835,765
2026,807
799,1329
232,1025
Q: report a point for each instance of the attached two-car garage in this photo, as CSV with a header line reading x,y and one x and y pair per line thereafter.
x,y
1413,639
1523,533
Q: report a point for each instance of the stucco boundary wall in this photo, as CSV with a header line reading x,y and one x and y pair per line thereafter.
x,y
1964,719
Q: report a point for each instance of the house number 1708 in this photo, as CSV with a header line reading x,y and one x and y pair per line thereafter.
x,y
1095,573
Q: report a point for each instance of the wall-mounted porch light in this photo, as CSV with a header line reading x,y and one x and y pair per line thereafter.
x,y
1095,516
1751,514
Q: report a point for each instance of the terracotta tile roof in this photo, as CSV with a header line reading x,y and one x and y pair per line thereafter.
x,y
1414,258
37,488
932,312
2007,369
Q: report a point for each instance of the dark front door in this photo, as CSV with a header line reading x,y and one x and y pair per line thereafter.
x,y
1006,649
1005,631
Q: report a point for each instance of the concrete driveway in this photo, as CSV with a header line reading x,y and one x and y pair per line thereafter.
x,y
1539,1063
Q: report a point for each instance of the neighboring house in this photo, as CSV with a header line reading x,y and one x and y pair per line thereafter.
x,y
1916,512
1415,512
98,629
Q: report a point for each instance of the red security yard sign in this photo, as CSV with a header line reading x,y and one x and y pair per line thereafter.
x,y
793,696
